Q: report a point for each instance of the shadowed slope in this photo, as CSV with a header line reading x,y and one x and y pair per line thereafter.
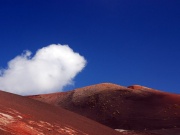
x,y
132,108
23,116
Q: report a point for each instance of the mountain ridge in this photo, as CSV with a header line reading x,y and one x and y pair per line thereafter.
x,y
130,108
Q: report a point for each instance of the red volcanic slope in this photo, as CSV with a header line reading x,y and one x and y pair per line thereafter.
x,y
23,116
132,108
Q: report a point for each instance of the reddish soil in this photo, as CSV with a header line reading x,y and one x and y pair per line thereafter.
x,y
24,116
134,108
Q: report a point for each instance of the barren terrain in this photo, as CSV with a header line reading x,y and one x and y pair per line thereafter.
x,y
23,116
134,108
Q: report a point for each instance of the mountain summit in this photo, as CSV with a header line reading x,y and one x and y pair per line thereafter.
x,y
135,107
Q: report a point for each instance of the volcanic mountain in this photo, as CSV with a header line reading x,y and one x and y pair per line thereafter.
x,y
24,116
133,108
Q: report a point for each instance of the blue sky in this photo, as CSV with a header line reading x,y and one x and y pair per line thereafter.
x,y
124,41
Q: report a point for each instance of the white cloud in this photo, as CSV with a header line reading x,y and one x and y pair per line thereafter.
x,y
49,70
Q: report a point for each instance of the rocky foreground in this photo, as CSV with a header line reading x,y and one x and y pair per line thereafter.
x,y
24,116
